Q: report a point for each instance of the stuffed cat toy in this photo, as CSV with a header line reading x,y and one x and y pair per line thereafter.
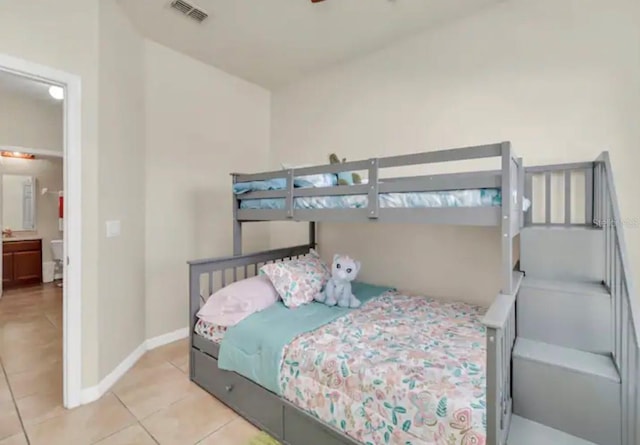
x,y
338,288
345,178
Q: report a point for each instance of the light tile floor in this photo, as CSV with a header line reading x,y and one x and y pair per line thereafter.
x,y
154,403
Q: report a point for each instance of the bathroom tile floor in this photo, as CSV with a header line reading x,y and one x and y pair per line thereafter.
x,y
154,403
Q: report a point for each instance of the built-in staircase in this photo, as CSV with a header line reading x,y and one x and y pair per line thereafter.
x,y
575,363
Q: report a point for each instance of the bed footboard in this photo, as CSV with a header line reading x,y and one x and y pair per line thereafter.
x,y
208,275
500,321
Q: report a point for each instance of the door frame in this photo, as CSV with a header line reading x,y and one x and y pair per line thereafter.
x,y
72,171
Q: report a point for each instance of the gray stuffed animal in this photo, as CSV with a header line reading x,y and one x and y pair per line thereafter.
x,y
338,288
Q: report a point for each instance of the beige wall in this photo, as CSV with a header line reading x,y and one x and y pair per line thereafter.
x,y
29,122
194,132
121,169
201,124
558,79
48,173
64,35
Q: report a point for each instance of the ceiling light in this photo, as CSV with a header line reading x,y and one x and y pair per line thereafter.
x,y
56,92
16,154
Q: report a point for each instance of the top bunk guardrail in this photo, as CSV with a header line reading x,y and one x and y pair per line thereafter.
x,y
509,181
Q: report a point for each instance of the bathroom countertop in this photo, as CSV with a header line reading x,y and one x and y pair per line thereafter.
x,y
21,238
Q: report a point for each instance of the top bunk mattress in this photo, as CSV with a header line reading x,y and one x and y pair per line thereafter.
x,y
448,198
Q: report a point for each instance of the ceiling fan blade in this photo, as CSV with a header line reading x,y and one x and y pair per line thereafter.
x,y
316,1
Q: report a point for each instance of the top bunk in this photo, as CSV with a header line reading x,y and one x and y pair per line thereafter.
x,y
312,194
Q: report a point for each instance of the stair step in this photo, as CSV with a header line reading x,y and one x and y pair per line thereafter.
x,y
567,358
572,391
528,432
574,287
571,253
571,314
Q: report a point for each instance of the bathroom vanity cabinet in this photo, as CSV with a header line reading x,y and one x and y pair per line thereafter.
x,y
21,262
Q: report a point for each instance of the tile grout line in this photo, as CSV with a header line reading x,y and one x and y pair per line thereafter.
x,y
15,405
51,322
177,367
157,410
217,429
138,421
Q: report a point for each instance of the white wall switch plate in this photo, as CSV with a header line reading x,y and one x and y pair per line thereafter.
x,y
113,228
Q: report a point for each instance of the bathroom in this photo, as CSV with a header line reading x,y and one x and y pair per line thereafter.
x,y
32,222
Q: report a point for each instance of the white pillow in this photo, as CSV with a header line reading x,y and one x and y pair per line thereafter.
x,y
232,304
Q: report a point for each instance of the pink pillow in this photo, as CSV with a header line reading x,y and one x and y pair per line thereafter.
x,y
232,304
298,281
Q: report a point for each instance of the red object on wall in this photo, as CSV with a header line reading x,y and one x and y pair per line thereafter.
x,y
60,207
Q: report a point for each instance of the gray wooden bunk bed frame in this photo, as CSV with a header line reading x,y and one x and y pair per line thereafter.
x,y
275,415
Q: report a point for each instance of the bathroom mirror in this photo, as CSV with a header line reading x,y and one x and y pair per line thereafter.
x,y
18,202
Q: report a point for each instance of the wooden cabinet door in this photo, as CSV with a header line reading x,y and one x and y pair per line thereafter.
x,y
7,269
27,267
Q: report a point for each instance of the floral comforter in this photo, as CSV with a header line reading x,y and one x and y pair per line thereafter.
x,y
210,331
400,370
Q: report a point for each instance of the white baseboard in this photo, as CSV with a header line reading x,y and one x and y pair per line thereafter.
x,y
167,338
93,393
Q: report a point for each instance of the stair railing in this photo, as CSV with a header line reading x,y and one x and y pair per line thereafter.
x,y
500,323
626,314
564,195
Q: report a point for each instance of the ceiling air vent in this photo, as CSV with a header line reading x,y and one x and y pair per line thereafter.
x,y
190,10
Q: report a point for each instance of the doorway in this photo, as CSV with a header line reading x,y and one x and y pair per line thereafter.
x,y
29,193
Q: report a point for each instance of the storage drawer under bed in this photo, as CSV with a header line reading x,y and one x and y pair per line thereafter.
x,y
254,403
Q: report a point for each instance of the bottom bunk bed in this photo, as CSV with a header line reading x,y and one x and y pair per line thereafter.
x,y
400,369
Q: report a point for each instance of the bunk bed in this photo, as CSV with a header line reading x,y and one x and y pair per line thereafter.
x,y
480,198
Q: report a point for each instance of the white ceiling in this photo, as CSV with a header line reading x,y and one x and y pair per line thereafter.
x,y
19,85
275,42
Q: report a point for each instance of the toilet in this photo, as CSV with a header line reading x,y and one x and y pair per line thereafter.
x,y
57,252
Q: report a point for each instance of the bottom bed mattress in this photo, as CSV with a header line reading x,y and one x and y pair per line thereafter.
x,y
399,370
210,331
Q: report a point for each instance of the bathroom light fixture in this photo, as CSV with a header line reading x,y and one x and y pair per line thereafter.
x,y
56,92
17,154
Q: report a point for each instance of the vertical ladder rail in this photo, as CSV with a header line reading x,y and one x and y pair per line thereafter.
x,y
626,314
528,193
509,164
547,198
588,196
500,318
374,188
237,225
567,197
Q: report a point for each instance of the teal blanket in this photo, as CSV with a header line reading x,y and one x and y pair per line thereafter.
x,y
254,347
